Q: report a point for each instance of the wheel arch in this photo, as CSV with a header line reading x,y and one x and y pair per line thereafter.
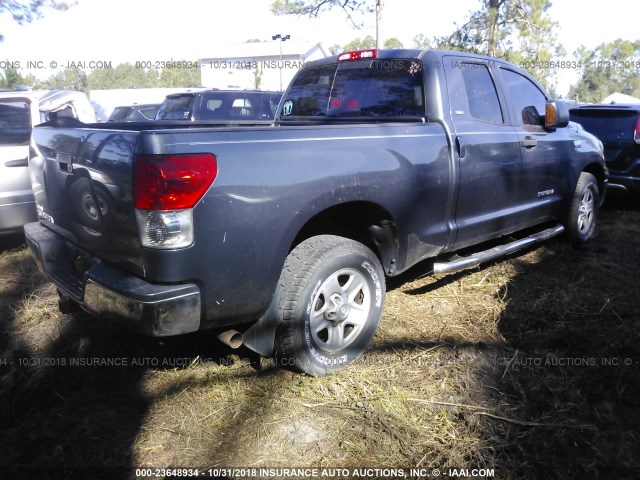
x,y
363,221
599,172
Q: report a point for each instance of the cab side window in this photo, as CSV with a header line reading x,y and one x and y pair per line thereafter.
x,y
481,93
524,95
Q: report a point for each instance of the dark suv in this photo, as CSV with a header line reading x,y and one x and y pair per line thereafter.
x,y
220,105
618,128
134,113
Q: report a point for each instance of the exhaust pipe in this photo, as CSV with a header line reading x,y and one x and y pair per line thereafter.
x,y
231,338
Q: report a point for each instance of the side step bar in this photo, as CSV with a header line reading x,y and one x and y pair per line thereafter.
x,y
495,252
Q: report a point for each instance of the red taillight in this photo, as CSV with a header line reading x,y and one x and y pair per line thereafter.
x,y
636,132
172,182
358,55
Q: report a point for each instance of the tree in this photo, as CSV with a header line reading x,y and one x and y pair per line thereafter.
x,y
124,75
491,29
68,79
538,50
335,49
485,30
313,8
180,77
9,78
25,11
393,43
360,44
421,42
610,67
365,43
517,30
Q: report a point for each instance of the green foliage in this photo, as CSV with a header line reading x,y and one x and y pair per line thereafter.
x,y
335,49
178,77
360,44
519,31
393,43
124,75
313,8
421,42
364,44
611,67
10,77
68,79
25,11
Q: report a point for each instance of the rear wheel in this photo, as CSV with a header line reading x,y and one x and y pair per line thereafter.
x,y
583,214
332,295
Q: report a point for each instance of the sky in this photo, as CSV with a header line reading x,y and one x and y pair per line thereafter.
x,y
119,31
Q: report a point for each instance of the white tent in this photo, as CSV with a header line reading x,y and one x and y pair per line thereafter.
x,y
620,98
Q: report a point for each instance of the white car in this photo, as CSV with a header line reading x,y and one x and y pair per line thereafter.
x,y
19,112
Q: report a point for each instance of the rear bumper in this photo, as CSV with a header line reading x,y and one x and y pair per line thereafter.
x,y
111,293
627,183
627,179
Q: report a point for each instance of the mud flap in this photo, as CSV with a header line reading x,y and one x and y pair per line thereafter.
x,y
261,336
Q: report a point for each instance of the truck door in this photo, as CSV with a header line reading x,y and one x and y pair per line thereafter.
x,y
546,154
487,148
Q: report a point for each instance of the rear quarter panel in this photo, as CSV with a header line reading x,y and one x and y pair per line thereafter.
x,y
272,181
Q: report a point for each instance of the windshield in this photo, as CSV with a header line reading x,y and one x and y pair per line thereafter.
x,y
119,114
238,105
369,88
15,122
220,106
176,108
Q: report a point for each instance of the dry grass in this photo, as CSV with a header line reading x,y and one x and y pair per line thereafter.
x,y
520,366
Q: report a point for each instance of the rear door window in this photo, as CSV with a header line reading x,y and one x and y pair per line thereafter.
x,y
481,93
15,122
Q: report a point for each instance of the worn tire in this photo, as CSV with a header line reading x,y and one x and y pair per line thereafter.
x,y
583,213
331,301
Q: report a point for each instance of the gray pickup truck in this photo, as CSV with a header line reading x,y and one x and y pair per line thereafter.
x,y
280,236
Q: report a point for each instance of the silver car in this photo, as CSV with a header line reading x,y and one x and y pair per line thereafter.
x,y
19,112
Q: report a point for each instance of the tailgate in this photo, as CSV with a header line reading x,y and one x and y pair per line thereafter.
x,y
616,129
82,181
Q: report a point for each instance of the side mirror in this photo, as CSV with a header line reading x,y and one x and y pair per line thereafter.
x,y
556,114
530,116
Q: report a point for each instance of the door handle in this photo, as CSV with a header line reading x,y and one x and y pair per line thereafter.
x,y
23,162
528,142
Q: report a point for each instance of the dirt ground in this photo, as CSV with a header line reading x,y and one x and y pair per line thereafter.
x,y
526,368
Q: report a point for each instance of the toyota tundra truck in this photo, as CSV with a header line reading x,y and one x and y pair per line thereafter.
x,y
280,236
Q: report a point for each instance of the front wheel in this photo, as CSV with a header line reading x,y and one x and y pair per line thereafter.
x,y
583,213
332,295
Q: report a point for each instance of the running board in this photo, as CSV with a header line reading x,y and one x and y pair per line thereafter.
x,y
495,252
